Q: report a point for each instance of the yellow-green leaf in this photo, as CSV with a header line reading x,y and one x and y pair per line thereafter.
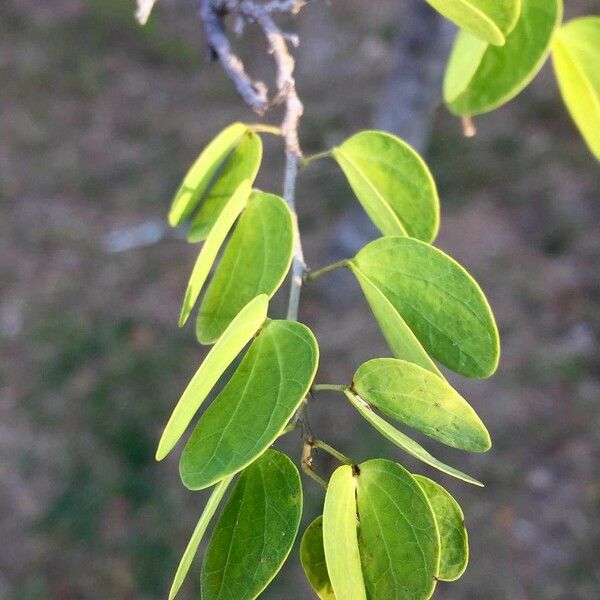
x,y
202,172
392,182
197,535
312,557
211,247
488,20
438,299
451,525
255,531
481,77
403,441
254,406
237,335
412,395
255,261
340,536
576,56
398,536
243,163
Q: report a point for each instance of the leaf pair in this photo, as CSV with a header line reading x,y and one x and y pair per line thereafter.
x,y
427,304
254,534
384,534
481,77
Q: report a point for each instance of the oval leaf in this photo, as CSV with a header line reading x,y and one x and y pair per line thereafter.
x,y
392,182
480,78
211,247
202,172
231,343
340,539
451,525
255,405
403,441
255,532
488,20
312,556
256,261
417,397
398,537
576,56
243,163
197,535
438,299
397,333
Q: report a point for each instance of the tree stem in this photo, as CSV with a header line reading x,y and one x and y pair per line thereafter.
x,y
320,272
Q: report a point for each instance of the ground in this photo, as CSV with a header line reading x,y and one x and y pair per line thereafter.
x,y
98,122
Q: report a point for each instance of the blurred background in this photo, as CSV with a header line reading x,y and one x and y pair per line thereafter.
x,y
100,119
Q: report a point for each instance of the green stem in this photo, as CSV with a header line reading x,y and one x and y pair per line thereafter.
x,y
328,387
309,159
335,453
320,272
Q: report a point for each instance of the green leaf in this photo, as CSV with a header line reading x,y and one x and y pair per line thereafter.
x,y
438,299
576,56
392,182
231,343
340,539
480,78
420,399
255,532
254,406
242,164
451,525
312,556
256,261
397,333
403,441
197,535
398,537
202,172
488,20
211,247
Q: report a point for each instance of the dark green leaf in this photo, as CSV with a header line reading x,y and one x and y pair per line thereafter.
x,y
403,441
243,163
255,405
231,343
256,261
438,299
392,182
312,556
398,537
417,397
451,525
202,172
340,539
255,532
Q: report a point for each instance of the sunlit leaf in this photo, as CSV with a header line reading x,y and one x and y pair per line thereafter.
x,y
451,525
231,343
392,182
211,247
480,77
438,299
414,396
398,537
312,556
197,535
340,539
255,531
254,406
576,56
403,441
243,163
202,172
397,333
255,261
489,20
